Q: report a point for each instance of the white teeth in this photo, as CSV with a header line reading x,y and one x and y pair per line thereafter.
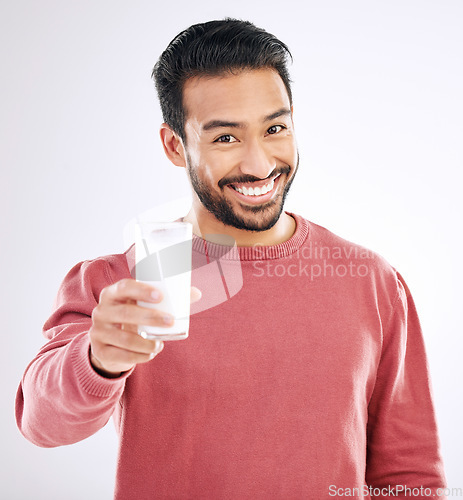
x,y
257,191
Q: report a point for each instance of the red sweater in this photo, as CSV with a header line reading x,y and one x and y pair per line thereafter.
x,y
304,377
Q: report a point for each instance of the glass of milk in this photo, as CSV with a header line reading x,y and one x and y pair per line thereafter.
x,y
163,259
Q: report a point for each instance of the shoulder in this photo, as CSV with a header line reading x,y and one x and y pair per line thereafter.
x,y
327,248
90,276
325,243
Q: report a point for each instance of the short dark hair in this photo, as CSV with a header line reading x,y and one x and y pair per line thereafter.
x,y
211,49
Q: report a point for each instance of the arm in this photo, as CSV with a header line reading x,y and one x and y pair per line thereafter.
x,y
62,398
403,445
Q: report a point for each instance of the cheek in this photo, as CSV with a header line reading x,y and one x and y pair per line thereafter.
x,y
286,151
199,163
216,165
193,156
208,173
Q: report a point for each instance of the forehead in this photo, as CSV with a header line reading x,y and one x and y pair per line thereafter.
x,y
247,94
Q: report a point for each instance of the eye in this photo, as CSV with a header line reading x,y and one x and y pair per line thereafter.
x,y
226,138
274,129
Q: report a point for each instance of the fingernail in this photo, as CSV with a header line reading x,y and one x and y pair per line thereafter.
x,y
155,295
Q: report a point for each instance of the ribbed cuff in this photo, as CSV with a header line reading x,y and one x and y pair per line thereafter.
x,y
90,381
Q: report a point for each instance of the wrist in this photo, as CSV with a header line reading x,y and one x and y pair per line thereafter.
x,y
98,367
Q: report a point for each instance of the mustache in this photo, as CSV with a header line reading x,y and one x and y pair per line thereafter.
x,y
251,178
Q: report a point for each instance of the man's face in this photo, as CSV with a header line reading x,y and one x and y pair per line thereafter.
x,y
240,146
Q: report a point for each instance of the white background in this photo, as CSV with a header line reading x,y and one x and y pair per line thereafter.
x,y
378,113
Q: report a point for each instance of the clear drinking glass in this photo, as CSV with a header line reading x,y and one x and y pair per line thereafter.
x,y
163,259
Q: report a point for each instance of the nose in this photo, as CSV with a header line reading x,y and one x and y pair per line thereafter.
x,y
257,160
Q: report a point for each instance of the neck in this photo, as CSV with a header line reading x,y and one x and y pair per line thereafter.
x,y
206,226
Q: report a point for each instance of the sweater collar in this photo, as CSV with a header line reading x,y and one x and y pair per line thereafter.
x,y
281,250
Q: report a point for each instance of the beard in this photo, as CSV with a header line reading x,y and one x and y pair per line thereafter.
x,y
252,217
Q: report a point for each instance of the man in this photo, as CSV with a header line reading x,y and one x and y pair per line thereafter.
x,y
310,382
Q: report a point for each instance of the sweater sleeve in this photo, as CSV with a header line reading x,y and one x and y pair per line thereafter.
x,y
61,399
403,445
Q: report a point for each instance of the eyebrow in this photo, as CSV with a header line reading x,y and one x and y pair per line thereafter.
x,y
214,124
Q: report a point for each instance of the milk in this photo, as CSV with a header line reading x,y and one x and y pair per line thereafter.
x,y
163,260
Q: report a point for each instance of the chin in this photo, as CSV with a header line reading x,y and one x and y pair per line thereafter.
x,y
255,218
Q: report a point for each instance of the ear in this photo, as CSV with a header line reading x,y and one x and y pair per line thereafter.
x,y
173,146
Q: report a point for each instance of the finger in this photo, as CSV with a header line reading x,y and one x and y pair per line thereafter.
x,y
130,290
131,314
159,347
127,327
195,294
115,360
127,341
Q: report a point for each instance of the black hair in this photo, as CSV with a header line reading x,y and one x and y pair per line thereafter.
x,y
211,49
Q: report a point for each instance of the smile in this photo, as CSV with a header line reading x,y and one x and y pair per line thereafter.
x,y
256,192
255,189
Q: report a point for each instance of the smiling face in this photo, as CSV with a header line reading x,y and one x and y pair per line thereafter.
x,y
240,148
